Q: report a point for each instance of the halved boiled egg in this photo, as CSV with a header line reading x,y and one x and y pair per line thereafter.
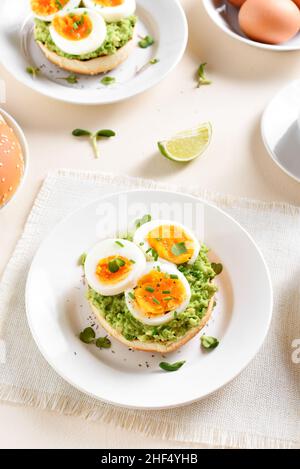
x,y
113,266
161,293
80,31
112,10
165,239
46,9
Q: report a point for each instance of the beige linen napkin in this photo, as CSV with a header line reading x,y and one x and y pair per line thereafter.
x,y
260,408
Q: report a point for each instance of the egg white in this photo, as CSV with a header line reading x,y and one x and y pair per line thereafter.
x,y
157,321
86,45
107,248
116,13
141,235
68,6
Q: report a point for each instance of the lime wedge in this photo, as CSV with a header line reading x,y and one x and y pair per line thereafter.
x,y
188,145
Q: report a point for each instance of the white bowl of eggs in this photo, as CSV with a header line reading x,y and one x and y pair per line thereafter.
x,y
14,155
267,24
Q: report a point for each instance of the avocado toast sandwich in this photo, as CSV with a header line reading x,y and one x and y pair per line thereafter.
x,y
86,37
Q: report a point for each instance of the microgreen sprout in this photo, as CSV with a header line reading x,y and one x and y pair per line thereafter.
x,y
201,77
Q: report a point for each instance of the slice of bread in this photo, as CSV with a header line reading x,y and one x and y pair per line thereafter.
x,y
157,347
95,66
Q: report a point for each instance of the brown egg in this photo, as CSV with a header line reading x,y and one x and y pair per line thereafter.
x,y
11,162
237,3
269,21
297,2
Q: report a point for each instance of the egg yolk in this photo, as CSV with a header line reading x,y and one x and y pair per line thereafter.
x,y
73,27
47,7
171,243
109,3
157,293
113,269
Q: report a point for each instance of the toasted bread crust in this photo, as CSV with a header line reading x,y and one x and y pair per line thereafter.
x,y
95,66
154,346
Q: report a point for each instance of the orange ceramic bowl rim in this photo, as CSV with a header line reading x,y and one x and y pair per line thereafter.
x,y
25,150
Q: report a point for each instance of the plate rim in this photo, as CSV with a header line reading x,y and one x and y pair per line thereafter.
x,y
23,79
263,130
210,10
150,407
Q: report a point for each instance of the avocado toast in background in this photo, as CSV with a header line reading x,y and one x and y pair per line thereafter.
x,y
91,38
169,296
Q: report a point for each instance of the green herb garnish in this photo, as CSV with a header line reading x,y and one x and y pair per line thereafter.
x,y
171,366
146,41
150,289
94,137
120,262
87,335
78,23
201,77
105,133
81,133
153,61
131,295
168,298
141,221
178,249
103,342
217,268
208,342
33,71
154,254
108,80
82,258
72,79
166,292
119,244
173,276
156,301
58,4
115,264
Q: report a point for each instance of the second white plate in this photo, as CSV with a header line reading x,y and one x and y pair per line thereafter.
x,y
164,20
57,309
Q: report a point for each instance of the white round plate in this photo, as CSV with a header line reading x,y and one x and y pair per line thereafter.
x,y
164,20
280,128
225,16
57,309
25,150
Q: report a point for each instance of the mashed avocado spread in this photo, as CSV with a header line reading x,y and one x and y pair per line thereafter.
x,y
199,276
118,34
